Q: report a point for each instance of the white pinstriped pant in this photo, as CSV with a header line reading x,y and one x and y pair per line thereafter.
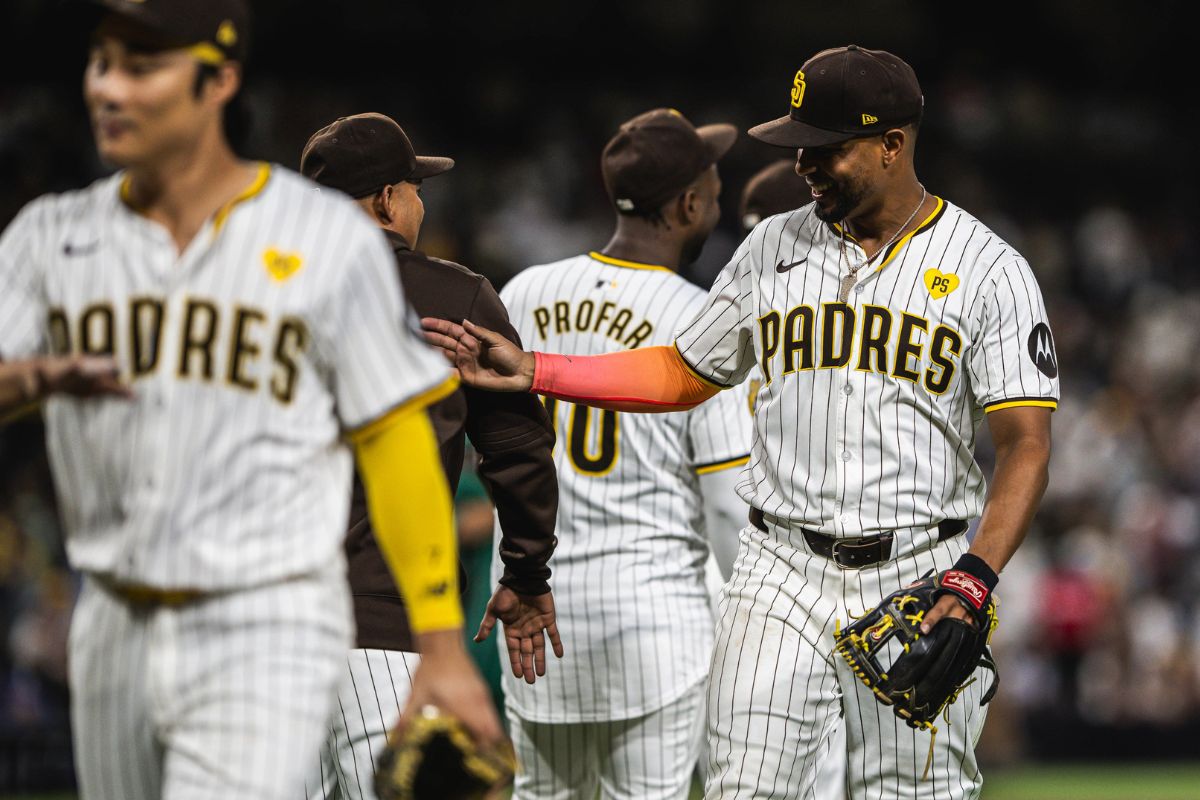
x,y
225,698
778,693
651,757
374,688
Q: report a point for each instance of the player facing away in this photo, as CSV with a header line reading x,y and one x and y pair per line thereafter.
x,y
889,324
263,336
623,712
370,158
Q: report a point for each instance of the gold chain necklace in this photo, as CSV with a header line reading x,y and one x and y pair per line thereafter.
x,y
851,276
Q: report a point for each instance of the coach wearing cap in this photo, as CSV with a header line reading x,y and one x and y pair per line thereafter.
x,y
369,157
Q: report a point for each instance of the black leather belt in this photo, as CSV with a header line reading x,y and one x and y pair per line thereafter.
x,y
860,552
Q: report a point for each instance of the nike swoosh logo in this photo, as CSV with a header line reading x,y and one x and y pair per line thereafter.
x,y
80,249
782,267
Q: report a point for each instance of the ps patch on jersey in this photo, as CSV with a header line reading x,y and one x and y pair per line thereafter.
x,y
940,283
1041,350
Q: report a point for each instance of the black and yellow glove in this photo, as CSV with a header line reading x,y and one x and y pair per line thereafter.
x,y
918,674
435,758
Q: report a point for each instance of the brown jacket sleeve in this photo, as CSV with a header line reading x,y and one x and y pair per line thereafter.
x,y
514,436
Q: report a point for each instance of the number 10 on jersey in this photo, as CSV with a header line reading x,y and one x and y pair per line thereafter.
x,y
587,457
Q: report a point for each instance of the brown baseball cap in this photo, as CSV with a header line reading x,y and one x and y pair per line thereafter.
x,y
215,31
656,155
773,190
845,93
359,155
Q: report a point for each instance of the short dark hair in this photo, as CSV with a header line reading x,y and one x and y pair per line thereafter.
x,y
236,120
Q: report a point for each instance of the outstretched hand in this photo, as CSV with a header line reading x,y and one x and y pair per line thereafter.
x,y
484,358
525,617
82,376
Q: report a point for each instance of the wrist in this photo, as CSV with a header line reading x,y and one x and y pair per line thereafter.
x,y
971,580
33,381
444,643
531,365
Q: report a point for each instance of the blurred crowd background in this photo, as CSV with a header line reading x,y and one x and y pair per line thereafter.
x,y
1065,127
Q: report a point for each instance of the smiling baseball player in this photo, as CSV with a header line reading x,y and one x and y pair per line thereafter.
x,y
888,324
259,326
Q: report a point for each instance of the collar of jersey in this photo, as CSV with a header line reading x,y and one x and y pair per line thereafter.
x,y
256,186
938,209
617,262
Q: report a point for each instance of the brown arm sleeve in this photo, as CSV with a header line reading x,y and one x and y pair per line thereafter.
x,y
514,436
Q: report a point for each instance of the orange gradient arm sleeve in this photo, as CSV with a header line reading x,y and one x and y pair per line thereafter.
x,y
652,379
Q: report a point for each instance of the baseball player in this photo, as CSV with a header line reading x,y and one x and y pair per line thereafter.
x,y
888,324
261,331
623,715
370,158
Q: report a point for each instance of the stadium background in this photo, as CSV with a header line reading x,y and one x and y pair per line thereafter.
x,y
1066,126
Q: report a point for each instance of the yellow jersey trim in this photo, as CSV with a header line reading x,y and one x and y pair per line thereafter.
x,y
1050,404
256,186
720,465
617,262
260,181
925,224
415,403
692,370
939,207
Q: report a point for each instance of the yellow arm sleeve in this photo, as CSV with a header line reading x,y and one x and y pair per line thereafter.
x,y
411,512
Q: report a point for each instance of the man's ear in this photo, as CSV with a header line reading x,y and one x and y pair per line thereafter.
x,y
895,142
224,83
382,205
688,206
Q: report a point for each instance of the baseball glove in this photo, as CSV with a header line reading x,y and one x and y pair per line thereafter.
x,y
436,759
918,674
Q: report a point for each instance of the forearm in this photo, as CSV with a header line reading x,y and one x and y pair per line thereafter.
x,y
1019,481
412,516
650,379
514,437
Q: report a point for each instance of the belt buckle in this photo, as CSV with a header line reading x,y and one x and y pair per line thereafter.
x,y
833,556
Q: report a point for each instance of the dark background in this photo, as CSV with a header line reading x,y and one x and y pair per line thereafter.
x,y
1067,127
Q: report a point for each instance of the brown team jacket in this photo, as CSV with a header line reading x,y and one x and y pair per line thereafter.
x,y
512,434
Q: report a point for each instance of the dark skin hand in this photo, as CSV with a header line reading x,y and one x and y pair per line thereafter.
x,y
1022,439
525,617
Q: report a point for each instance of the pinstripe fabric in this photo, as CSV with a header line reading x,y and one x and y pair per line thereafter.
x,y
208,700
861,447
778,693
629,566
281,364
374,687
645,758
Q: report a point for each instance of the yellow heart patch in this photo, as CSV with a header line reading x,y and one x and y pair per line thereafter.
x,y
940,283
281,266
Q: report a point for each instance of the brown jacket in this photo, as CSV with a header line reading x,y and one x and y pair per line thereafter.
x,y
512,434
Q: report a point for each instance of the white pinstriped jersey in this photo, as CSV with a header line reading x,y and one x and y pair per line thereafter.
x,y
279,327
629,566
867,418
